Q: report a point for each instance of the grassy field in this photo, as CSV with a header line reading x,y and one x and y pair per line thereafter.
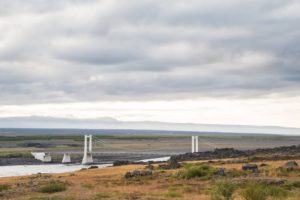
x,y
194,180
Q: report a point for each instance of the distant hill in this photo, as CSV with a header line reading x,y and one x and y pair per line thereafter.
x,y
110,123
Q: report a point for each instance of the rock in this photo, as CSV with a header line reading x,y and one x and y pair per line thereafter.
x,y
216,154
149,166
121,162
291,165
278,153
250,167
126,162
137,173
93,167
173,163
220,172
263,165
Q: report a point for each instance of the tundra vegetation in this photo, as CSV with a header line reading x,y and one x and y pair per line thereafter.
x,y
223,179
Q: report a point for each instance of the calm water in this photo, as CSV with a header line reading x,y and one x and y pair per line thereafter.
x,y
22,170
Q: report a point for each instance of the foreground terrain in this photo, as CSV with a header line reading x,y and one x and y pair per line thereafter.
x,y
214,179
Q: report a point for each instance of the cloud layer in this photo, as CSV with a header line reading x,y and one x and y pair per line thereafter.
x,y
79,50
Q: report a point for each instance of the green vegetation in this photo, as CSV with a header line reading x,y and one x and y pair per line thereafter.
x,y
276,193
103,195
4,187
202,171
172,194
87,185
236,173
15,155
40,137
281,171
289,185
223,191
259,191
53,187
254,191
187,188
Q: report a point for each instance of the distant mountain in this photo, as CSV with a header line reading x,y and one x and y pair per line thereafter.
x,y
110,123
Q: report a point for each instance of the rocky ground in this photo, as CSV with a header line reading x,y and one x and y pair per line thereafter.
x,y
277,153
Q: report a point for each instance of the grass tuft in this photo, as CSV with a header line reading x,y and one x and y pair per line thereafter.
x,y
202,171
103,195
53,187
172,194
254,191
4,187
223,191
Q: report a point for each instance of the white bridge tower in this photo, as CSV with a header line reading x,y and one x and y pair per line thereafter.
x,y
87,154
67,158
195,143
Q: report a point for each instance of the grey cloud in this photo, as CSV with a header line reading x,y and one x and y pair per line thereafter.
x,y
75,50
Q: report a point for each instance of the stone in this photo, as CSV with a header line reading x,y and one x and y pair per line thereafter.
x,y
220,172
121,162
149,167
278,153
137,173
263,165
291,165
250,167
93,167
173,163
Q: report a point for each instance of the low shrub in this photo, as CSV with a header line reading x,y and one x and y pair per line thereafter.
x,y
15,155
289,185
259,191
236,173
202,171
223,191
282,172
88,185
4,187
103,195
276,193
53,187
187,188
172,194
254,191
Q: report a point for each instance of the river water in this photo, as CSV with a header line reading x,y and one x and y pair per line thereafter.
x,y
22,170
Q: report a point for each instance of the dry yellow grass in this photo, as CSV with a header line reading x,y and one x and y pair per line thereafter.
x,y
108,183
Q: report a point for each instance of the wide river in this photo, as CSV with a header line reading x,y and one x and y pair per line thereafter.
x,y
22,170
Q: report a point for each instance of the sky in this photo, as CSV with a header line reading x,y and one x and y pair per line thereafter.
x,y
196,61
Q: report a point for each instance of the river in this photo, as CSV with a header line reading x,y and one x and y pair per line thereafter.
x,y
23,170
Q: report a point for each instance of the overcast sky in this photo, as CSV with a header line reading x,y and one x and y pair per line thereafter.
x,y
221,62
